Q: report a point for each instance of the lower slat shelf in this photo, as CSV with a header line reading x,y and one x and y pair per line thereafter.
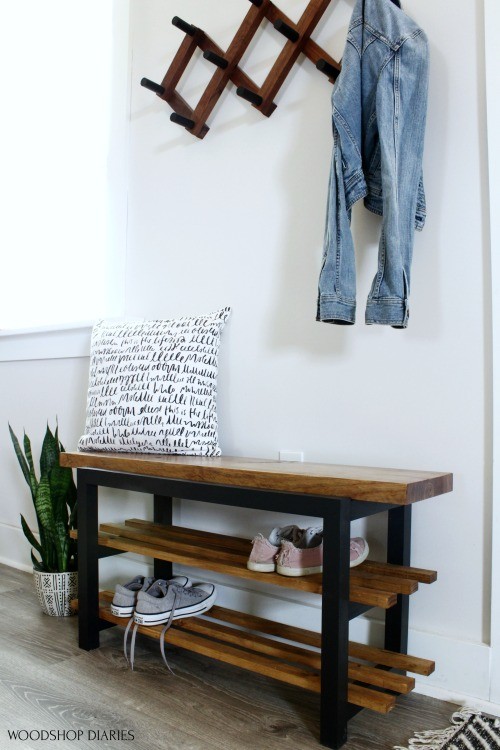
x,y
250,659
220,635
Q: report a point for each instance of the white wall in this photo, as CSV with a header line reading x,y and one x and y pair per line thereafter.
x,y
238,219
492,26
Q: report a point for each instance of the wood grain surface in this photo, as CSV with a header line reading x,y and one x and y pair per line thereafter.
x,y
293,665
47,682
375,585
395,486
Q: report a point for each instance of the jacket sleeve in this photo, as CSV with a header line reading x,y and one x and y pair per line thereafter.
x,y
337,281
401,102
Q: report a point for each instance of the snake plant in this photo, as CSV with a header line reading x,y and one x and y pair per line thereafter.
x,y
54,498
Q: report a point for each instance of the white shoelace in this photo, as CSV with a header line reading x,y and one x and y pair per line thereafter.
x,y
177,595
125,638
178,592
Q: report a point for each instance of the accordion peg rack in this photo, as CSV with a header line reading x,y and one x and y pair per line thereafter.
x,y
226,63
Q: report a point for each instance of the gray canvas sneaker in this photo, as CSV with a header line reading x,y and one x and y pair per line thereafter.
x,y
125,597
126,594
165,602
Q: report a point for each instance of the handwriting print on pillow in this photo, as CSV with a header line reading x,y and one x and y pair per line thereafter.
x,y
153,386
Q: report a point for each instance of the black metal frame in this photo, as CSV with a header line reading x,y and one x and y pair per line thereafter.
x,y
398,553
336,512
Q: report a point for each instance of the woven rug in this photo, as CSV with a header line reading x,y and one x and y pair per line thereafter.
x,y
469,731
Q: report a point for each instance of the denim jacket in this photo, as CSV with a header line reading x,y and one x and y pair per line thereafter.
x,y
379,104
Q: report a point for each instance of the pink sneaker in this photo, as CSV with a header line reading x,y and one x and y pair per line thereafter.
x,y
263,555
359,551
303,557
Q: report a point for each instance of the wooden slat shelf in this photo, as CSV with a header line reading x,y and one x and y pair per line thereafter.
x,y
251,648
371,584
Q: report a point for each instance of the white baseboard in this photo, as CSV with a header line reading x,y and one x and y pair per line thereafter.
x,y
462,667
15,548
16,565
460,699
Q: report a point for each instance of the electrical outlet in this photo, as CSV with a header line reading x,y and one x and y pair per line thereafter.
x,y
291,456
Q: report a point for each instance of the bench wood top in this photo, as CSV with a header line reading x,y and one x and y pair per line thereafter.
x,y
396,486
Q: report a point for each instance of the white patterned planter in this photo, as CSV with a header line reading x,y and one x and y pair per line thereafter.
x,y
55,592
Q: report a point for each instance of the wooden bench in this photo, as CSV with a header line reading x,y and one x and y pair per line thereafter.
x,y
349,676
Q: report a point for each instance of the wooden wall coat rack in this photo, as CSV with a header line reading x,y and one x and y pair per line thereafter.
x,y
227,63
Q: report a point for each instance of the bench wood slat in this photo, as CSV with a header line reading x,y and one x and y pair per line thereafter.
x,y
376,485
405,662
206,638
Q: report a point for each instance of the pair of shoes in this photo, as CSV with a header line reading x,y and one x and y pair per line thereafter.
x,y
291,551
147,601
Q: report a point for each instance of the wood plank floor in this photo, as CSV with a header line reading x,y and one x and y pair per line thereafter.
x,y
46,682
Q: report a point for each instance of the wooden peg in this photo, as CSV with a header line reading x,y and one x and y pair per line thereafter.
x,y
180,120
187,28
249,95
326,68
286,30
218,60
258,3
152,86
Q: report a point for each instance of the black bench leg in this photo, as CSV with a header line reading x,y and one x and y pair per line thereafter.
x,y
335,625
398,553
162,513
88,564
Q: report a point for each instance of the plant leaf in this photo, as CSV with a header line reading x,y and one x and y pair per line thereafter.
x,y
51,556
43,506
49,456
71,498
48,550
20,457
27,451
37,565
73,519
60,479
62,546
29,535
33,482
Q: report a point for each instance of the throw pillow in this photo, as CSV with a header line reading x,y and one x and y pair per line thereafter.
x,y
153,386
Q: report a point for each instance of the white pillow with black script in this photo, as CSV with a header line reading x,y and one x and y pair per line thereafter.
x,y
153,386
